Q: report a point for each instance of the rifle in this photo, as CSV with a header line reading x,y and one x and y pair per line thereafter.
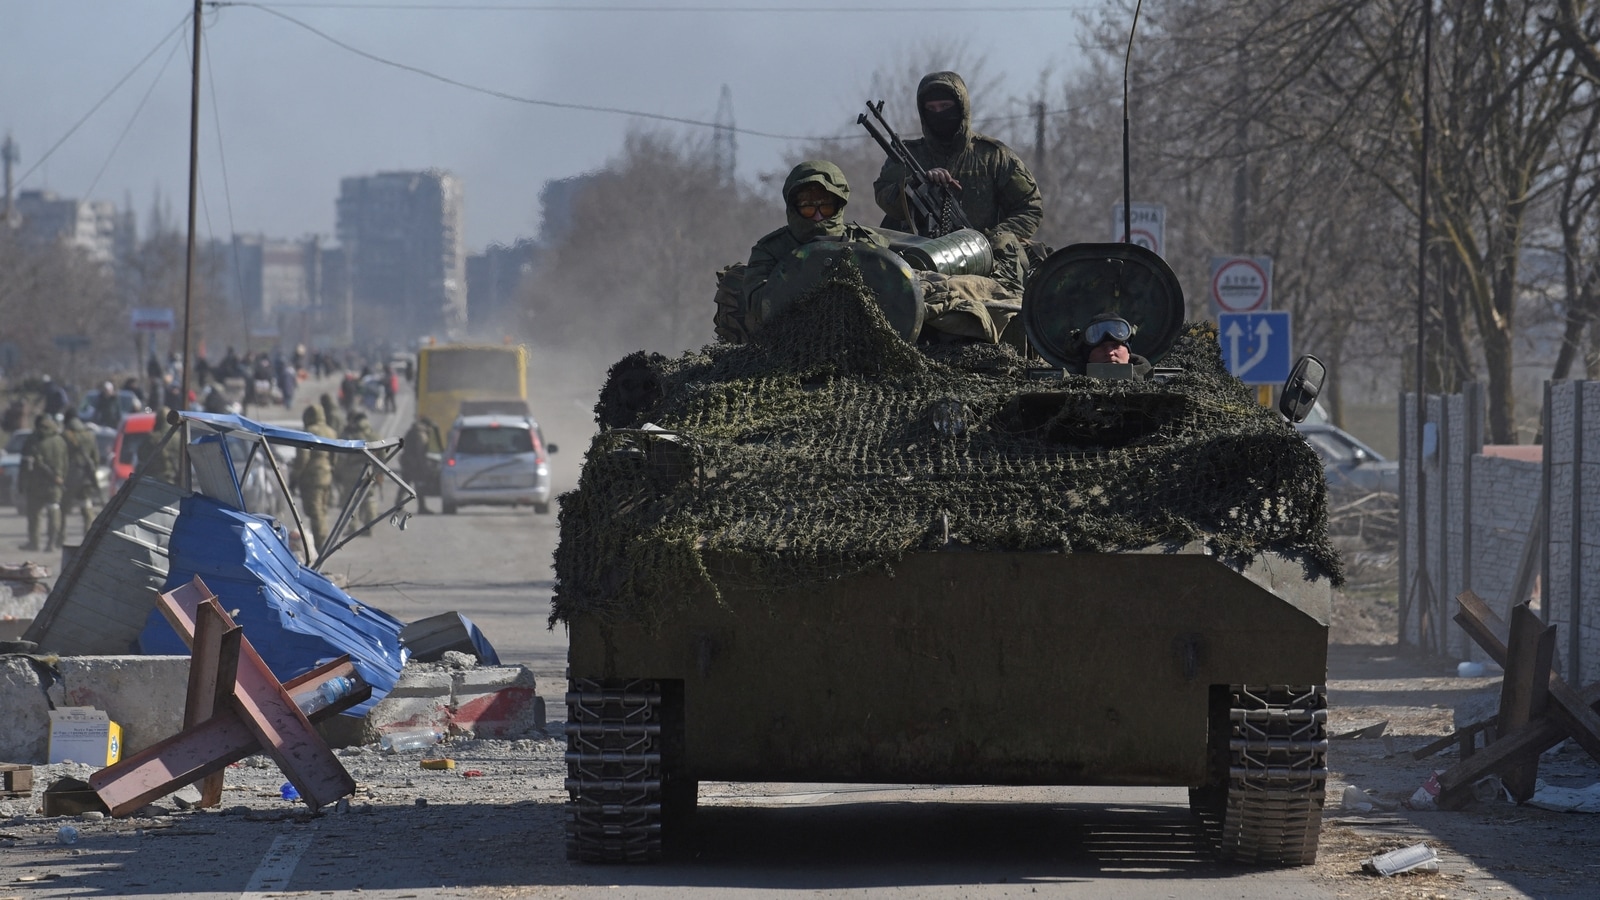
x,y
934,209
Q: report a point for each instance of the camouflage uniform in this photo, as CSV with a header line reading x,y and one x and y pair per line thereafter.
x,y
82,488
313,478
161,466
330,414
414,459
772,258
998,193
44,472
347,468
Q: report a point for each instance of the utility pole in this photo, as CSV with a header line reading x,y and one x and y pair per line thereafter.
x,y
724,143
1038,138
1241,167
188,281
10,157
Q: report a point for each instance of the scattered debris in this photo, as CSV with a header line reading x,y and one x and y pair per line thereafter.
x,y
1370,732
1427,796
1417,857
431,638
15,780
1560,799
441,764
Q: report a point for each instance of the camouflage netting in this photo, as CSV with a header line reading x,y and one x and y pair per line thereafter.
x,y
830,445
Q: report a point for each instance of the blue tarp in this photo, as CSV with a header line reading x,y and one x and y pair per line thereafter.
x,y
293,616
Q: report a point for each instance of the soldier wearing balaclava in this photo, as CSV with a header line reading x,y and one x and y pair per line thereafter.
x,y
995,188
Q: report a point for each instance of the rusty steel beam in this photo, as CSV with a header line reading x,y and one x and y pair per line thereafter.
x,y
249,711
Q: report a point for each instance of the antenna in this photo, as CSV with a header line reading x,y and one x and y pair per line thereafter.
x,y
1127,184
724,146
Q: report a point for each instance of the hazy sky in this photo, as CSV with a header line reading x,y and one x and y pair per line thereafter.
x,y
296,112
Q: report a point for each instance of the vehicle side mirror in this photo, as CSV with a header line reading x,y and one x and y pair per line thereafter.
x,y
1300,390
1360,456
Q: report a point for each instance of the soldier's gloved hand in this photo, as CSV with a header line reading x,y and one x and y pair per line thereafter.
x,y
943,177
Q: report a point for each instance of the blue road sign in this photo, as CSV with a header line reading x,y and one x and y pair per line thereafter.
x,y
1257,347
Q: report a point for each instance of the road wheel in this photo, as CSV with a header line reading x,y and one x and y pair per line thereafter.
x,y
449,508
542,509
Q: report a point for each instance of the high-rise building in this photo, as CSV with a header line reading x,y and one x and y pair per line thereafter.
x,y
402,235
297,291
493,280
90,226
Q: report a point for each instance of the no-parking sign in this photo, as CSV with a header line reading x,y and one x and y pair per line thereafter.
x,y
1241,284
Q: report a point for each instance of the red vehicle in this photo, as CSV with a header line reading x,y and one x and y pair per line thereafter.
x,y
132,435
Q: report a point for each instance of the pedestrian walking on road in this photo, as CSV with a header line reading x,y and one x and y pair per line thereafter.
x,y
313,478
81,491
348,468
414,461
43,473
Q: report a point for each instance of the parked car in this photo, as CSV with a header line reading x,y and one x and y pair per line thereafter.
x,y
136,429
1351,467
10,463
496,459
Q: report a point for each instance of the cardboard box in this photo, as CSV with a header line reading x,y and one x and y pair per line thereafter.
x,y
84,734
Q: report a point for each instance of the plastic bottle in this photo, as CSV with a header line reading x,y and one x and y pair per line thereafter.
x,y
325,694
398,741
67,835
288,792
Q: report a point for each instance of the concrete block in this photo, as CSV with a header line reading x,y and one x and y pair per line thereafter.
x,y
497,701
25,736
489,701
143,694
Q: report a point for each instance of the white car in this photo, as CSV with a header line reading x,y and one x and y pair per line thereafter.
x,y
496,460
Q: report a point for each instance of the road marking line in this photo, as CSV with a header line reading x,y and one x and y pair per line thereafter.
x,y
278,866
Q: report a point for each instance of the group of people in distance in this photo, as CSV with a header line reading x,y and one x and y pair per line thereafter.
x,y
995,190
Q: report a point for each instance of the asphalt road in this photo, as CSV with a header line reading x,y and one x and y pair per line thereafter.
x,y
748,840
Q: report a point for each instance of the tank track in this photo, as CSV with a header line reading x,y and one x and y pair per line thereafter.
x,y
1269,750
614,771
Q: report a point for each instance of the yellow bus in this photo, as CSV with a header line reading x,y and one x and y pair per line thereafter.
x,y
492,377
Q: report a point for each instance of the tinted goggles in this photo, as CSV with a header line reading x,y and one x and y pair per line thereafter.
x,y
1111,329
808,208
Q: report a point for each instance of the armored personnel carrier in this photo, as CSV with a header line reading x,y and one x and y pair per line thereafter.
x,y
834,555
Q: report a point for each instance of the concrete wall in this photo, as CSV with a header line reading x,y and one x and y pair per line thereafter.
x,y
1472,525
1572,561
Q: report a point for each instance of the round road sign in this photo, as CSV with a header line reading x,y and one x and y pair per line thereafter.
x,y
1241,285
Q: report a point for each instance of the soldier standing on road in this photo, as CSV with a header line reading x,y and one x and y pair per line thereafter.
x,y
81,491
44,469
414,460
313,478
347,468
996,190
330,413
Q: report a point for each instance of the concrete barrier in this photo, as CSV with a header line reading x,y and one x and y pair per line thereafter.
x,y
143,694
487,701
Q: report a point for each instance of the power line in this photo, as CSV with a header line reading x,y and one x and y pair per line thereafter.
x,y
531,101
133,118
637,8
101,102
